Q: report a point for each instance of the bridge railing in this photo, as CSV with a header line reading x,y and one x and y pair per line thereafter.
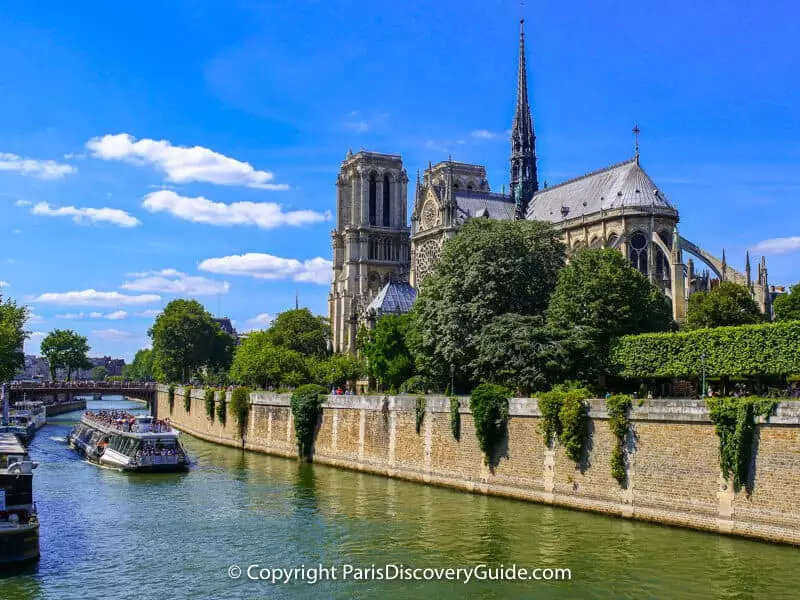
x,y
85,385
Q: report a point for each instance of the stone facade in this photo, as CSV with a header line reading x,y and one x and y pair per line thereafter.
x,y
673,457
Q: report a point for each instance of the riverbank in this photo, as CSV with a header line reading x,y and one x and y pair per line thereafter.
x,y
52,410
673,474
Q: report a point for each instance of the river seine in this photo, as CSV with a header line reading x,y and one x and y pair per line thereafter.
x,y
110,535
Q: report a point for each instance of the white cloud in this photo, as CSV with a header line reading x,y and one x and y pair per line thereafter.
x,y
34,318
111,335
4,284
171,281
23,203
484,134
37,335
41,169
112,316
81,215
92,297
152,312
16,231
355,123
182,164
266,266
117,315
266,215
778,245
261,321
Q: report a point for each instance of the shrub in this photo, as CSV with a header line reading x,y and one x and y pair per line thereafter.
x,y
222,409
489,406
455,418
240,406
414,385
187,398
734,422
171,397
306,404
618,408
420,410
209,397
565,417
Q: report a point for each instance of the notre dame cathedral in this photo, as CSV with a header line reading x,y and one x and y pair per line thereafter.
x,y
379,262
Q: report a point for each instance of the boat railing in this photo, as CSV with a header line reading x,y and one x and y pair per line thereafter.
x,y
159,459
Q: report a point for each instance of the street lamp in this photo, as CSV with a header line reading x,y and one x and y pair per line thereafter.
x,y
703,361
452,379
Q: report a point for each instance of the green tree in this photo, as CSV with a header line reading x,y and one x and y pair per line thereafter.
x,y
490,268
389,359
787,306
99,373
301,331
523,353
336,370
186,340
65,349
141,369
727,304
261,363
601,291
12,338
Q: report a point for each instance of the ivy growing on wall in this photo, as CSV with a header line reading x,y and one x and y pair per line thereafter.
x,y
187,398
489,406
565,417
420,408
618,408
209,398
240,407
455,418
222,410
734,422
171,397
306,405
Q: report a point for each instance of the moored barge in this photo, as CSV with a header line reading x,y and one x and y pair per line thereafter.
x,y
127,442
19,523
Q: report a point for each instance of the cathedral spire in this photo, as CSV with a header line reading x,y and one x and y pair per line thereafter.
x,y
524,182
747,268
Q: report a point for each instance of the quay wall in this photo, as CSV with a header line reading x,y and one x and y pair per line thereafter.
x,y
673,456
52,410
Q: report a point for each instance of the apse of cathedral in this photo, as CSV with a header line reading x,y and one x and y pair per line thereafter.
x,y
379,261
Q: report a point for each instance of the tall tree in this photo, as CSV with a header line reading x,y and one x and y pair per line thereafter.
x,y
186,340
601,291
141,369
12,338
301,331
787,306
727,304
389,359
65,349
490,268
99,373
259,362
335,370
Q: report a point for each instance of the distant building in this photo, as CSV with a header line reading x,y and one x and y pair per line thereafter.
x,y
227,326
36,368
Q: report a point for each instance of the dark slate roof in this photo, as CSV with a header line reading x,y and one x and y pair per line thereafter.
x,y
624,185
395,298
226,325
475,203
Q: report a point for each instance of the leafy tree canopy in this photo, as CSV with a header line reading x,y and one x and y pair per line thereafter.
x,y
600,290
301,331
490,268
389,359
261,363
141,369
65,349
727,304
186,339
787,306
336,370
99,373
12,337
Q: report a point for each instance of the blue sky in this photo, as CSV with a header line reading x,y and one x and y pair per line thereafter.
x,y
155,150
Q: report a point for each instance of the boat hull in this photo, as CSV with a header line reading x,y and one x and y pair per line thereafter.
x,y
19,545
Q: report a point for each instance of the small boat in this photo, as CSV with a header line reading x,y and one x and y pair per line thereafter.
x,y
19,523
127,442
21,427
32,411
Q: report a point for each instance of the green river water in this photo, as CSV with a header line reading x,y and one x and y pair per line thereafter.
x,y
110,535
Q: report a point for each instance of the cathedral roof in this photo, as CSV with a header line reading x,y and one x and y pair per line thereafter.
x,y
395,298
475,203
624,185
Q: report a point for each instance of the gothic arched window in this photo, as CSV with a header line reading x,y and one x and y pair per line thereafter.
x,y
386,194
373,189
638,252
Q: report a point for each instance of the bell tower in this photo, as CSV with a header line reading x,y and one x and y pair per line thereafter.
x,y
371,239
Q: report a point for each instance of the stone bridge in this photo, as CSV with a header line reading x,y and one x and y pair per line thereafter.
x,y
59,392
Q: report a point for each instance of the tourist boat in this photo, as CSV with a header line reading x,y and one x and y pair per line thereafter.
x,y
32,411
19,524
21,427
127,442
